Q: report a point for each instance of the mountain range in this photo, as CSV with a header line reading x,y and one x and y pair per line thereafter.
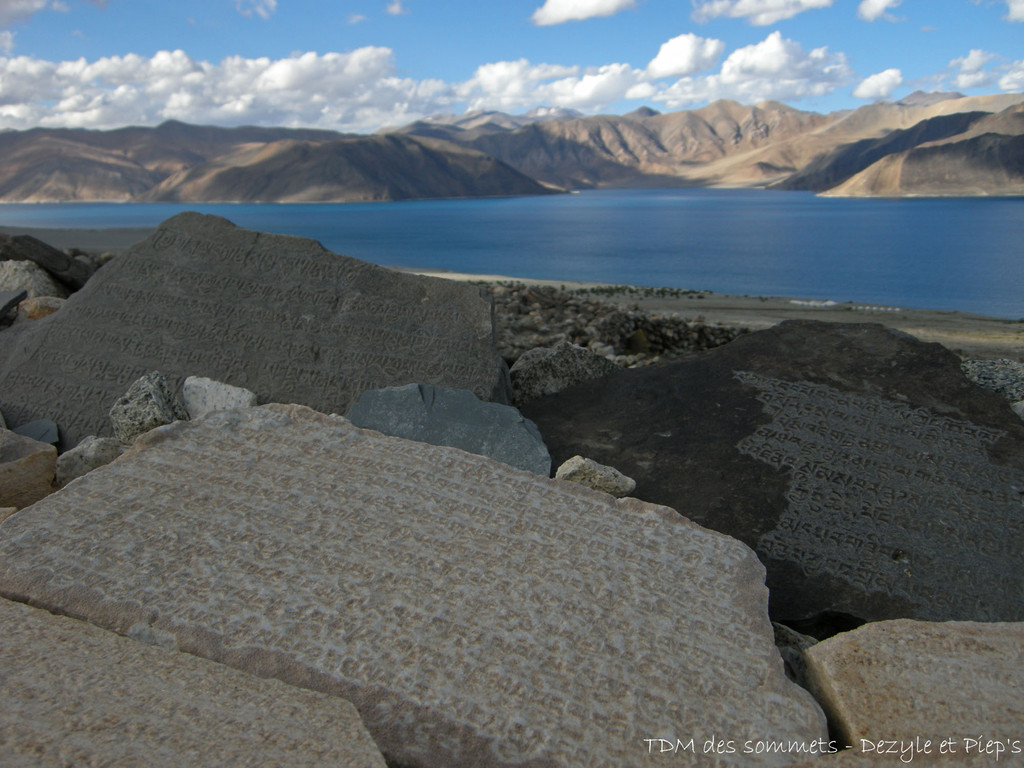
x,y
925,144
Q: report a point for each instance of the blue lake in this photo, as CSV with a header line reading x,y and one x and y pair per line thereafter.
x,y
962,254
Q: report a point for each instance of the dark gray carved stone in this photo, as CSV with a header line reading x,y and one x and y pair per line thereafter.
x,y
476,615
455,417
280,316
74,694
872,478
62,267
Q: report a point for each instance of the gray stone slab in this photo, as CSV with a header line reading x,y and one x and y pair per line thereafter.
x,y
10,299
74,694
871,476
475,614
280,316
454,417
906,683
68,270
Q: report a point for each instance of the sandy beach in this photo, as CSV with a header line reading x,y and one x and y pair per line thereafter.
x,y
971,336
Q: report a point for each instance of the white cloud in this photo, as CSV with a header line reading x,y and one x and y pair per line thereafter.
x,y
880,85
869,10
356,18
396,8
685,55
1013,80
6,42
355,91
560,11
359,91
262,8
972,73
774,69
758,12
1016,10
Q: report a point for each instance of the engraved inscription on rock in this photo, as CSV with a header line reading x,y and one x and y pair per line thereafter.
x,y
280,316
874,480
74,694
476,615
889,498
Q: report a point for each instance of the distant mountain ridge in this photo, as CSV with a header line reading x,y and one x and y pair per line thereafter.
x,y
187,163
924,144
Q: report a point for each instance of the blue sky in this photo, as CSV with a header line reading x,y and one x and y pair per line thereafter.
x,y
362,64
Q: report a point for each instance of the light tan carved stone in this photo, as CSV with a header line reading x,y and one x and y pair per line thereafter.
x,y
74,694
476,615
26,469
925,693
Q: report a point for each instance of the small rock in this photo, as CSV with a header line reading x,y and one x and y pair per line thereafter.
x,y
90,453
597,476
148,403
202,395
43,430
26,470
11,299
546,371
38,308
1018,408
27,276
457,418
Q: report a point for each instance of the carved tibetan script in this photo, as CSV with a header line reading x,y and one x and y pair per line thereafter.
x,y
278,315
892,499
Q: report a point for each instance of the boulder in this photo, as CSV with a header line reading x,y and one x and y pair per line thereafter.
x,y
597,476
857,461
6,512
69,271
201,396
148,403
917,682
75,694
26,469
278,315
475,614
43,430
546,371
455,417
26,276
90,453
38,308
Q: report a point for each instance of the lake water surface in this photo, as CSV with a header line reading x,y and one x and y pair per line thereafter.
x,y
951,253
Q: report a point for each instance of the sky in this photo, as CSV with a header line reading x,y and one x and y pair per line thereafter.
x,y
361,65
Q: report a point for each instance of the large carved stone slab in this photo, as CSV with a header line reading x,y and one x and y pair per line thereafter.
x,y
477,615
74,694
872,478
280,316
926,692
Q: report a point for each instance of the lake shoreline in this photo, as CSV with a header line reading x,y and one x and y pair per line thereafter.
x,y
968,335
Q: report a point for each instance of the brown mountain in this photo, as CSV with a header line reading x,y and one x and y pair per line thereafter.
x,y
722,144
974,153
189,163
354,169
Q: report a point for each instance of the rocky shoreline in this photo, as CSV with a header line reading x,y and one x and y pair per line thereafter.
x,y
743,557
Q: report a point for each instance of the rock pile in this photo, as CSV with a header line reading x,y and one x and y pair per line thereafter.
x,y
528,317
475,614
